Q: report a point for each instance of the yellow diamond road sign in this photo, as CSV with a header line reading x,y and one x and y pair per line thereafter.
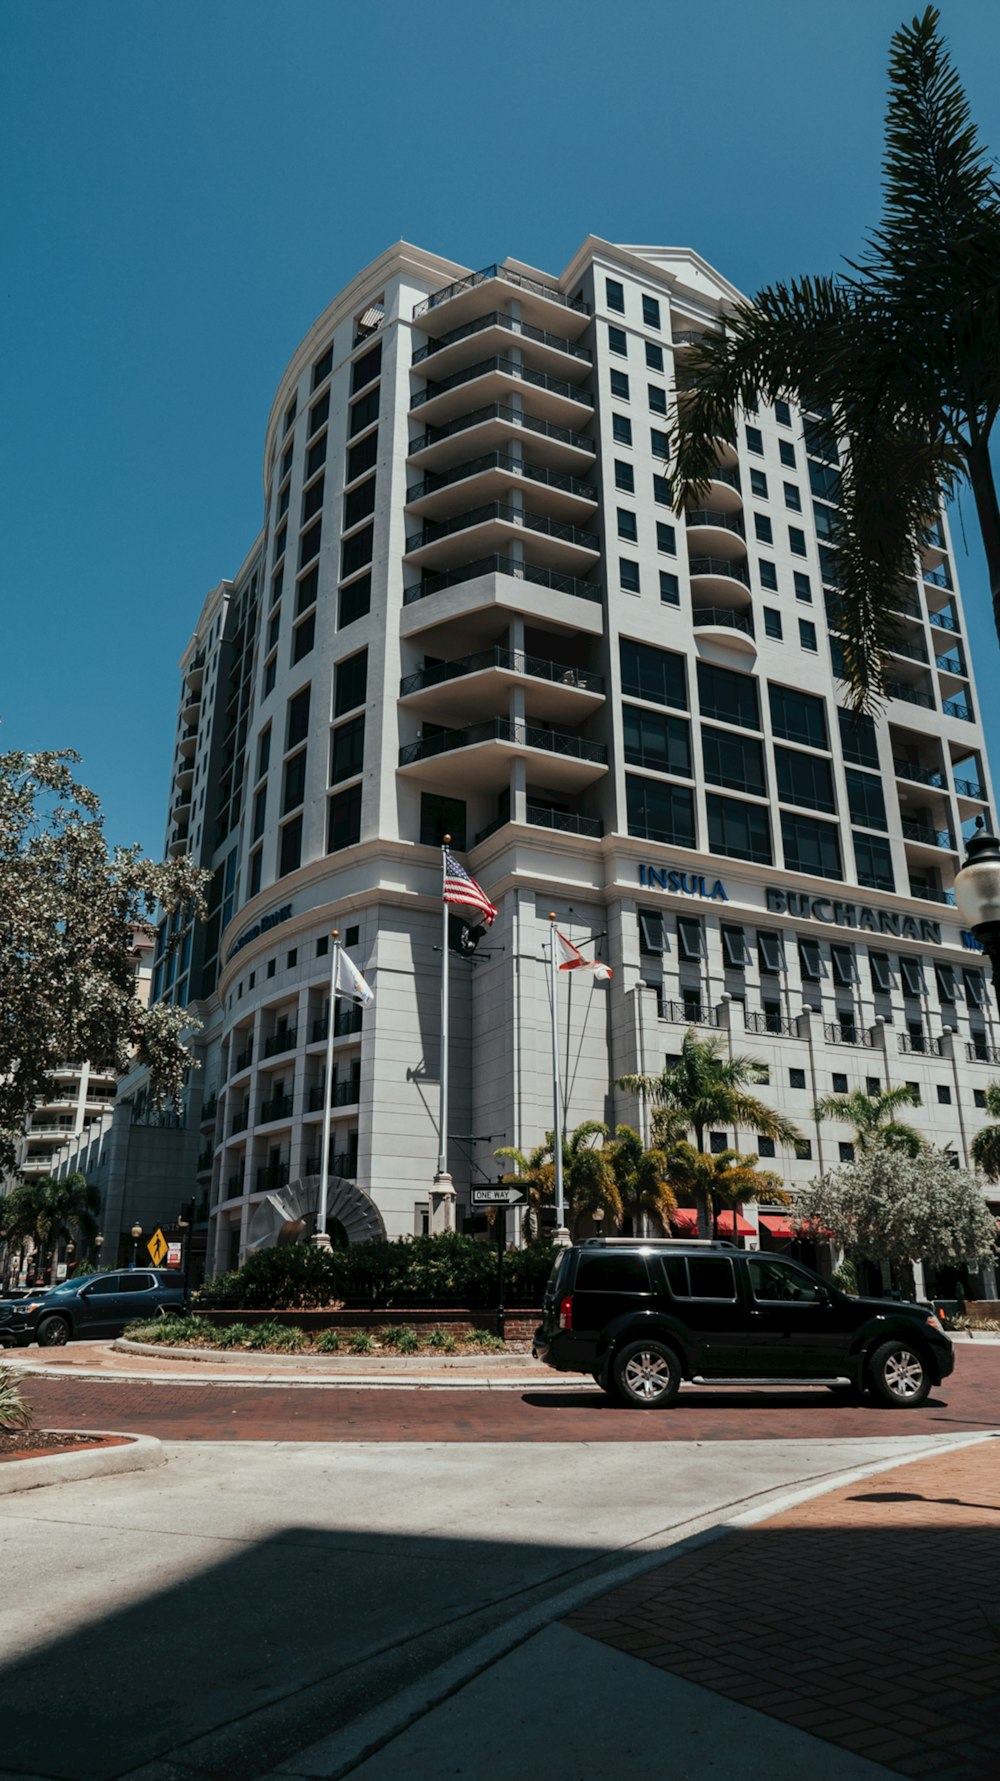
x,y
157,1247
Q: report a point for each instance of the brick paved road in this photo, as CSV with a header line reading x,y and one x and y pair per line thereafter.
x,y
869,1617
970,1400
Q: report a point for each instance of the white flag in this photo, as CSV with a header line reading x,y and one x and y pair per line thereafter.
x,y
350,983
573,960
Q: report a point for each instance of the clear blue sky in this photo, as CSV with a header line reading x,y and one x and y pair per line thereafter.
x,y
187,185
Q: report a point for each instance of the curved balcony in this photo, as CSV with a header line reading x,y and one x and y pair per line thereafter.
x,y
478,756
465,687
188,742
494,473
541,304
719,581
191,709
495,331
279,1107
554,541
493,425
491,380
716,532
732,627
725,491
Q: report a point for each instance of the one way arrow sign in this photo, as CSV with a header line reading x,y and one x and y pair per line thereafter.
x,y
497,1196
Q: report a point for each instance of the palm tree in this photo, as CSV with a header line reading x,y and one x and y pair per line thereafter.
x,y
726,1178
64,1209
641,1177
589,1181
986,1143
534,1173
705,1088
900,355
873,1117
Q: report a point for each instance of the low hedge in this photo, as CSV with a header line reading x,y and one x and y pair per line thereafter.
x,y
448,1270
277,1338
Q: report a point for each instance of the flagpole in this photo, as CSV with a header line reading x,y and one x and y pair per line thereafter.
x,y
321,1236
443,1192
560,1235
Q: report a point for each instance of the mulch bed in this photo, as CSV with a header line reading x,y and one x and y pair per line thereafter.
x,y
38,1443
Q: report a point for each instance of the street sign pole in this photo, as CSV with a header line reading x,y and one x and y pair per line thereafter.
x,y
501,1257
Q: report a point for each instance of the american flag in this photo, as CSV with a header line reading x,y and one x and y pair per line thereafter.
x,y
460,888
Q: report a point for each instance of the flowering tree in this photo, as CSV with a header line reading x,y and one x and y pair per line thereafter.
x,y
68,910
895,1208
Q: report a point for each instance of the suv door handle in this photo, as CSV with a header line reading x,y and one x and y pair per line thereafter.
x,y
756,1313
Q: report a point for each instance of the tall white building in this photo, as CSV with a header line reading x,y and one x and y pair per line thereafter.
x,y
472,610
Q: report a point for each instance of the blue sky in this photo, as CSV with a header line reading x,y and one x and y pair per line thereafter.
x,y
187,186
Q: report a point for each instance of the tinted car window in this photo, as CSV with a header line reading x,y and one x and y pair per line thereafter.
x,y
711,1277
137,1282
604,1271
675,1268
776,1281
107,1283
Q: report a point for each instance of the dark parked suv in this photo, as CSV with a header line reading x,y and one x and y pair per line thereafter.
x,y
640,1316
90,1305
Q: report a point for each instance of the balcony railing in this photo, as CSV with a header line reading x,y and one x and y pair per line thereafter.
x,y
285,1039
563,823
945,621
342,1094
515,516
692,336
204,1161
713,516
504,729
723,615
922,775
208,1109
950,664
970,788
272,1177
278,1107
347,1023
735,569
923,1044
501,565
940,577
501,411
244,1059
342,1162
958,708
517,279
978,1052
839,1033
907,603
931,893
239,1123
757,1021
689,1014
501,460
514,660
727,474
921,831
539,380
914,651
911,695
497,318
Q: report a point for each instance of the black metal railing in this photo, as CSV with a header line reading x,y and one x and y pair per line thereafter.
x,y
501,460
713,516
723,615
347,1023
516,516
759,1021
563,822
517,279
727,474
945,621
504,729
689,1014
244,1059
920,831
278,1107
735,569
502,565
914,651
693,336
958,708
285,1039
931,893
342,1094
497,318
516,661
501,411
239,1122
234,1187
539,380
911,695
271,1177
951,664
940,577
837,1032
923,775
922,1044
204,1161
342,1162
208,1109
970,788
978,1052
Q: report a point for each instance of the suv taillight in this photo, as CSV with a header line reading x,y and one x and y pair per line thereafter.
x,y
566,1312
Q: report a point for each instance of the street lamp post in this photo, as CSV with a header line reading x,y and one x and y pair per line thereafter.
x,y
977,895
99,1245
136,1234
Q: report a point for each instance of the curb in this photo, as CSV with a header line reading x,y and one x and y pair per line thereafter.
x,y
142,1452
229,1357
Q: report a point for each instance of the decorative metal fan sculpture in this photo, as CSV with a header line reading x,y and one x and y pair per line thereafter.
x,y
288,1214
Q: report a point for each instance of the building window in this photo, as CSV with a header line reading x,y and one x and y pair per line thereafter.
x,y
657,398
772,623
782,414
619,384
845,971
661,491
297,717
804,1150
741,831
350,683
975,989
763,530
439,817
624,477
797,541
796,1078
786,452
944,1094
656,675
758,483
309,543
803,590
770,953
306,591
263,752
666,539
735,955
651,931
621,429
359,502
858,741
810,961
804,779
793,500
810,846
256,860
290,847
846,1152
733,761
670,588
303,638
914,1088
768,575
690,939
865,799
650,311
873,862
615,294
839,1083
729,698
355,600
627,526
366,368
797,717
654,356
618,341
356,552
319,413
911,976
628,573
947,987
344,819
362,413
658,811
659,444
660,744
979,1097
755,441
294,782
807,634
765,1146
312,500
270,672
717,1143
347,749
322,946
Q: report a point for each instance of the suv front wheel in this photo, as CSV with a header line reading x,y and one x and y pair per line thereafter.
x,y
53,1332
899,1376
646,1375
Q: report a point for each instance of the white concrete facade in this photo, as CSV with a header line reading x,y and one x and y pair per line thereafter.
x,y
472,608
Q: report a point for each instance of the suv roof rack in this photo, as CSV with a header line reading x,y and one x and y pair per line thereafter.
x,y
655,1243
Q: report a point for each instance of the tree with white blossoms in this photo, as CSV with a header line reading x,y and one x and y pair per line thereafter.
x,y
895,1208
69,906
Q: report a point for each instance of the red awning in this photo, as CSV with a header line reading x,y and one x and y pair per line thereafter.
x,y
686,1219
776,1226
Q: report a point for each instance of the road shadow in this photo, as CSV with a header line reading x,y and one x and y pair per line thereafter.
x,y
742,1397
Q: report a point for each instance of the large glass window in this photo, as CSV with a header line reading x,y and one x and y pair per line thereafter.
x,y
804,779
740,830
858,741
658,811
866,799
729,697
810,846
797,717
344,819
347,749
350,682
440,817
662,744
873,860
297,722
294,786
653,674
734,761
290,847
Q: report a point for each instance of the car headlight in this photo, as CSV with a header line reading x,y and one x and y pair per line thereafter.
x,y
935,1323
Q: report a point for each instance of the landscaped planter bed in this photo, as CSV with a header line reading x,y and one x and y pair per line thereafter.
x,y
520,1323
40,1443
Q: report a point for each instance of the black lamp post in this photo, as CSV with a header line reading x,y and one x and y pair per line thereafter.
x,y
977,895
136,1234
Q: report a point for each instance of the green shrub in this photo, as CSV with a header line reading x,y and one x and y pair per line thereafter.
x,y
448,1270
235,1335
179,1332
409,1342
292,1278
392,1335
287,1339
361,1343
329,1342
443,1341
487,1340
15,1415
273,1335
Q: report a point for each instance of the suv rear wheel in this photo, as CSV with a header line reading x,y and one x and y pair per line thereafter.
x,y
53,1332
646,1375
898,1375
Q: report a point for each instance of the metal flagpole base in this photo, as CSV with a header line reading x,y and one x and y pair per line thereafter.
x,y
561,1238
321,1240
443,1200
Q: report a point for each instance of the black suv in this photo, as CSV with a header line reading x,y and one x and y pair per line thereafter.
x,y
90,1305
640,1316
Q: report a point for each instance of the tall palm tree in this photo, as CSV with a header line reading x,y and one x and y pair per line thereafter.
x,y
641,1177
705,1088
873,1117
726,1178
65,1209
901,353
986,1143
589,1180
534,1173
